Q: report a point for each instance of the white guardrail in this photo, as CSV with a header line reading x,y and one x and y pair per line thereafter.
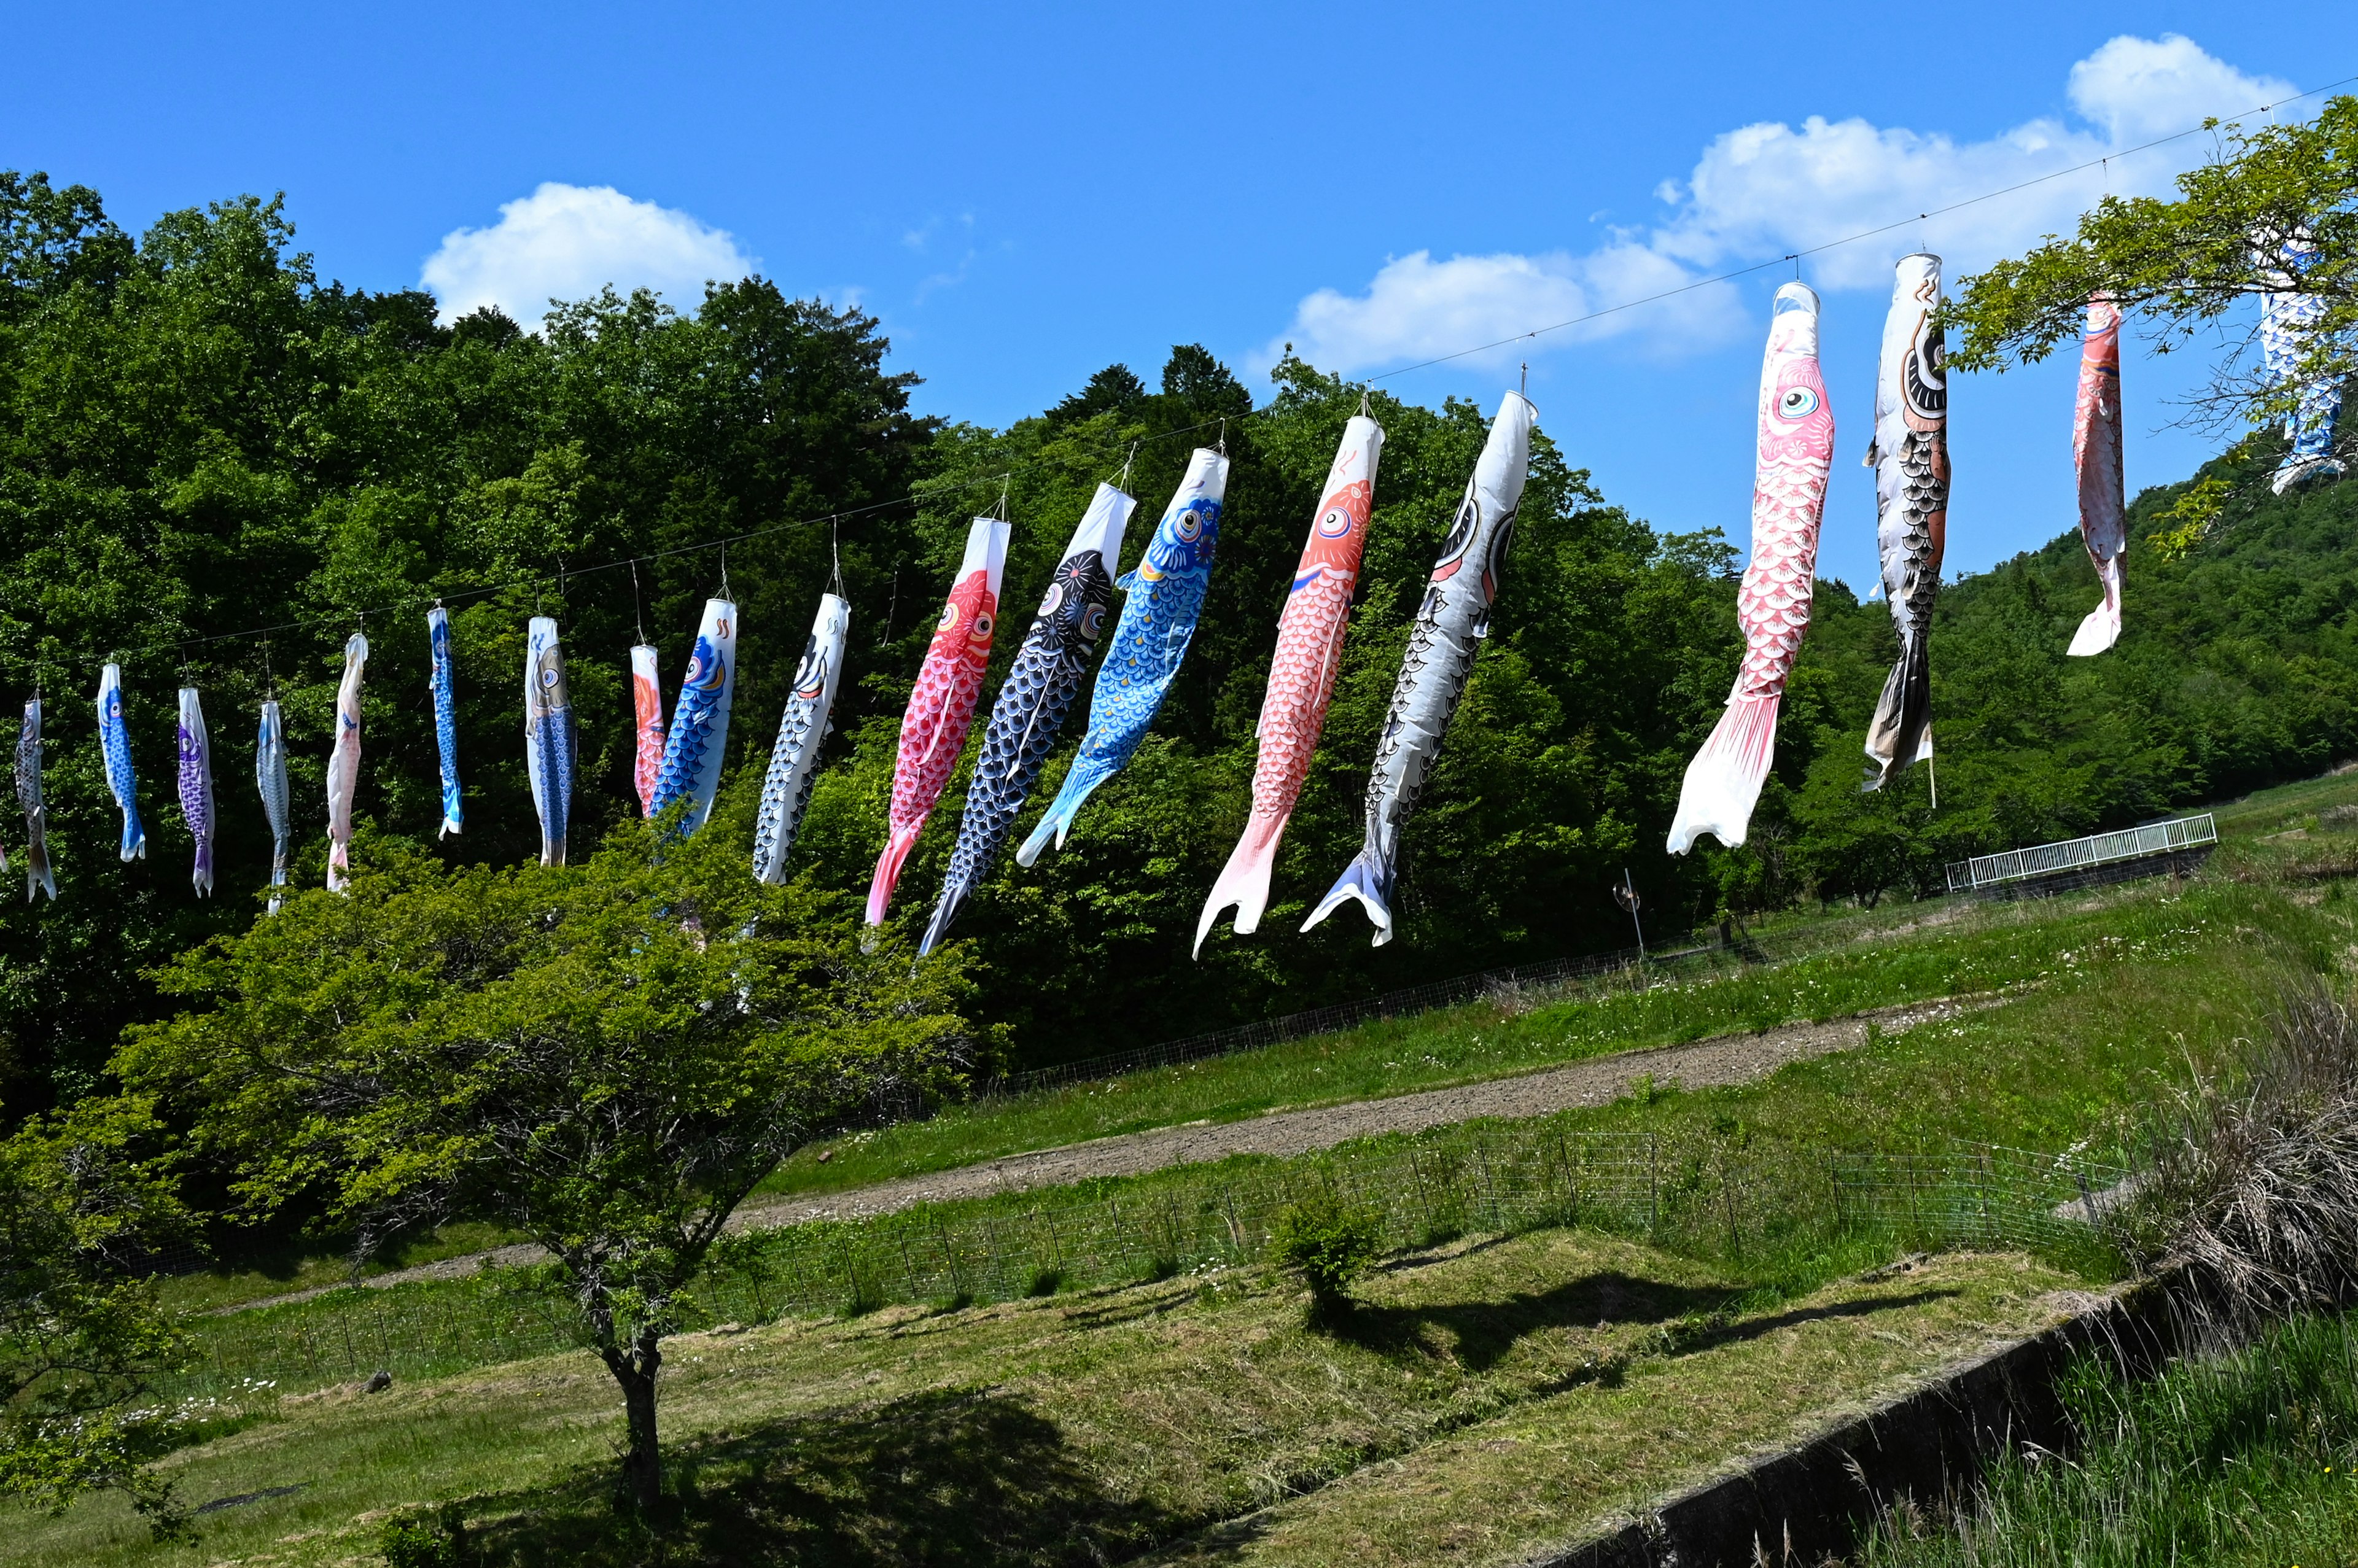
x,y
2079,854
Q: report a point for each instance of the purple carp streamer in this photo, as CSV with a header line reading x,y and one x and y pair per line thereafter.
x,y
2096,456
794,761
196,780
699,724
1451,623
115,747
1909,456
1031,705
270,780
446,716
39,876
1794,452
344,765
550,750
2287,318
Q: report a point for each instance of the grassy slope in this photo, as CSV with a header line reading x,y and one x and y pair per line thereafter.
x,y
1064,1431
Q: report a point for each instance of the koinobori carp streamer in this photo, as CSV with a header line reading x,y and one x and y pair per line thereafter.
x,y
2288,317
550,746
699,724
2097,458
793,760
1451,621
39,875
114,748
1301,674
196,780
1909,456
1032,704
646,727
440,687
344,765
270,780
941,704
1165,597
1793,455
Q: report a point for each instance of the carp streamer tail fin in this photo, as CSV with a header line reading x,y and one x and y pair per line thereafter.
x,y
1369,881
944,911
2102,629
1723,782
1244,880
1079,784
1900,732
887,871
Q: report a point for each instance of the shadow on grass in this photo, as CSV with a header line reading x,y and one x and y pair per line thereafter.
x,y
942,1478
1477,1334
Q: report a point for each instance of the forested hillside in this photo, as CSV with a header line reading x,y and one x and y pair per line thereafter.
x,y
199,438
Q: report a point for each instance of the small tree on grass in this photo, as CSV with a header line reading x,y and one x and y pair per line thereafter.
x,y
82,1334
1329,1243
607,1057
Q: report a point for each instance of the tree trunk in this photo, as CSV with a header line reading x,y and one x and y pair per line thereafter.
x,y
635,1369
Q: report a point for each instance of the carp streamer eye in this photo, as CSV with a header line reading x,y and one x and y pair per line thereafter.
x,y
1055,596
949,618
1092,620
1188,526
1799,403
1334,522
981,626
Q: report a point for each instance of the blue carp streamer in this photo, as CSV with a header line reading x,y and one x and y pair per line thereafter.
x,y
794,761
699,724
2288,317
38,877
549,744
446,716
114,745
270,780
196,780
1158,620
1030,707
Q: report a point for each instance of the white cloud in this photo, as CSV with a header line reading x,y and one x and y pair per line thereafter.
x,y
566,241
1764,190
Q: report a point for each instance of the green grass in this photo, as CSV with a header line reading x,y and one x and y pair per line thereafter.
x,y
296,1268
1080,1428
2248,1458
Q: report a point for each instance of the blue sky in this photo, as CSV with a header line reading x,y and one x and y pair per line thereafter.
x,y
1025,196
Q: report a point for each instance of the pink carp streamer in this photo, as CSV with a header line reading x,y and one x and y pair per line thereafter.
x,y
941,705
344,765
646,725
1302,675
2096,453
1795,452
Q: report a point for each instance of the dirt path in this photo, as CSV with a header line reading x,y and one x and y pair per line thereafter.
x,y
1699,1064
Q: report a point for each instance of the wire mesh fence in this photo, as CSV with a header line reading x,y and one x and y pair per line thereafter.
x,y
1702,1195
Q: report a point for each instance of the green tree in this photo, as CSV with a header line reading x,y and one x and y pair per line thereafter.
x,y
84,1197
606,1057
2180,268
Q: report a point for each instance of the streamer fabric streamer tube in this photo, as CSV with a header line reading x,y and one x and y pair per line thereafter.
x,y
114,746
1450,621
1165,597
1031,707
39,876
196,780
270,780
1301,674
646,726
794,761
2288,317
344,765
446,716
2097,458
941,704
1793,454
550,749
1909,456
699,724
